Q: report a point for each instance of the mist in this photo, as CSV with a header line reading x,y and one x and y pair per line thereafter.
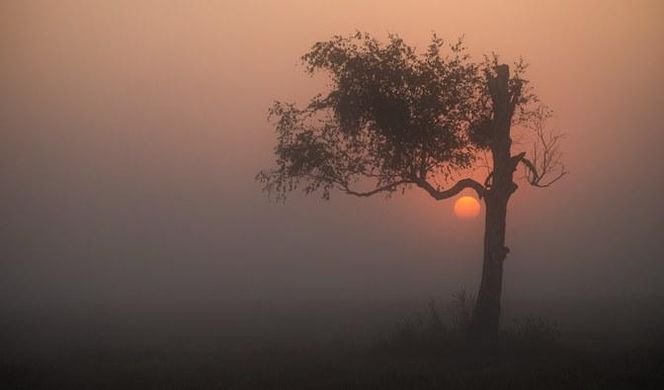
x,y
132,132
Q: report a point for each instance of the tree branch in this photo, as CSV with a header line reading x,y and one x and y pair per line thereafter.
x,y
535,178
388,187
545,156
455,189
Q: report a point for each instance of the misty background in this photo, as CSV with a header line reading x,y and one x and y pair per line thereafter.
x,y
132,132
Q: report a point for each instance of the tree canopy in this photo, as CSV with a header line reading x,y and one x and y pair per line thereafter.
x,y
396,118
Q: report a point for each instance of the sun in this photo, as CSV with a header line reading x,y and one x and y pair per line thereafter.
x,y
466,207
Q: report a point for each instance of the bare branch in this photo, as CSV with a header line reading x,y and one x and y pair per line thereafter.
x,y
535,178
455,189
389,187
544,165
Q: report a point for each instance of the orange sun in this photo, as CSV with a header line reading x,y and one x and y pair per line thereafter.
x,y
467,207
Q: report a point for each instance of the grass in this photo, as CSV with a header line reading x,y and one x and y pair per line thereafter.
x,y
428,349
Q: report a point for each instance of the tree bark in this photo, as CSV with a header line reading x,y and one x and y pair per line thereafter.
x,y
486,315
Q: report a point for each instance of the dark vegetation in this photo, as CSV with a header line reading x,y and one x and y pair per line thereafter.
x,y
427,349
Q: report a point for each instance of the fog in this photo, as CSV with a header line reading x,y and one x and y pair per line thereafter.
x,y
132,132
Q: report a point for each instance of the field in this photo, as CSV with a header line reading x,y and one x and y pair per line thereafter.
x,y
337,347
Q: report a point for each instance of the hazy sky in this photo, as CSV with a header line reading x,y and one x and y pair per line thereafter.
x,y
132,131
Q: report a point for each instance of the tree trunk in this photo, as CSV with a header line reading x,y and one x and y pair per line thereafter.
x,y
486,316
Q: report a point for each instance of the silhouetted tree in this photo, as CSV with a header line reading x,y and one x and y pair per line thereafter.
x,y
396,119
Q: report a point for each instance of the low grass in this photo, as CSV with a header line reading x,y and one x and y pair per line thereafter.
x,y
428,349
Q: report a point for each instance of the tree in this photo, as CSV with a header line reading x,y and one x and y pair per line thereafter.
x,y
395,119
